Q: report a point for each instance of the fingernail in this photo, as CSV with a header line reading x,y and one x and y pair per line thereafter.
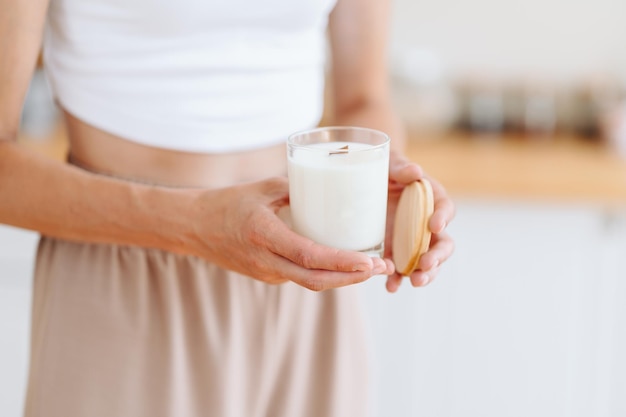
x,y
421,280
379,266
435,264
363,267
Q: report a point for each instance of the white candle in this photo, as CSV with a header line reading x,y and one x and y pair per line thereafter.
x,y
339,197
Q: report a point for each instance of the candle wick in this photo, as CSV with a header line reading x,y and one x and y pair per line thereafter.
x,y
343,149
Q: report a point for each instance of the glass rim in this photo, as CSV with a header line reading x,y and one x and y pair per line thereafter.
x,y
291,137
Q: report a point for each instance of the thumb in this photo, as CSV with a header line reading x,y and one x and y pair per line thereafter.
x,y
404,172
276,189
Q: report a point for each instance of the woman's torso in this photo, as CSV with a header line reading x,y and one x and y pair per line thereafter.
x,y
102,152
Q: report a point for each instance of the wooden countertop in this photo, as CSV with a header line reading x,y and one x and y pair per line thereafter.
x,y
550,168
545,169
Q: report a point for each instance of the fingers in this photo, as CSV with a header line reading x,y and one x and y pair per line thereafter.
x,y
281,240
442,247
418,279
276,236
310,255
444,208
422,278
403,171
320,280
393,282
279,254
440,250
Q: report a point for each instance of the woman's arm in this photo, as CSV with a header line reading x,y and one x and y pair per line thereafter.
x,y
21,27
361,97
360,93
236,227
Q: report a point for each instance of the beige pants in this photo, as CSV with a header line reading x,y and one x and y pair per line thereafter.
x,y
131,332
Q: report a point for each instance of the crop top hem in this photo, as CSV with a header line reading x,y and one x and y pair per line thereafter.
x,y
148,131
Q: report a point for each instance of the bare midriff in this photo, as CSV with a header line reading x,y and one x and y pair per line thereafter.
x,y
101,152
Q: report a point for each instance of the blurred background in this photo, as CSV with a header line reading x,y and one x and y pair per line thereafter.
x,y
533,67
519,109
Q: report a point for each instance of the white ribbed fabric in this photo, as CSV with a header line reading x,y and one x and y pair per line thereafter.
x,y
200,76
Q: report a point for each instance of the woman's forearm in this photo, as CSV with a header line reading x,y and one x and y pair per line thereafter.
x,y
359,78
21,28
63,201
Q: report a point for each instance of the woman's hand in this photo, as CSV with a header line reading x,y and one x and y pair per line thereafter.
x,y
401,173
239,228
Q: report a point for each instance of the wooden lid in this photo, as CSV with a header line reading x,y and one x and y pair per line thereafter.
x,y
411,235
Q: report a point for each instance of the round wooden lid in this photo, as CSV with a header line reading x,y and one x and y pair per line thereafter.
x,y
411,235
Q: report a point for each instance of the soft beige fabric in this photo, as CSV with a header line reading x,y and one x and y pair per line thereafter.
x,y
132,332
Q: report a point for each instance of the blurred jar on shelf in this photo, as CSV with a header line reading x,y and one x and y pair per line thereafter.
x,y
588,103
530,107
539,108
482,105
608,101
421,91
613,127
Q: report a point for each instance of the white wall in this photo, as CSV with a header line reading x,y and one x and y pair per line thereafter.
x,y
17,249
557,38
526,319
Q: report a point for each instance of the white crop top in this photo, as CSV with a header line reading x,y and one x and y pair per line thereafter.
x,y
191,75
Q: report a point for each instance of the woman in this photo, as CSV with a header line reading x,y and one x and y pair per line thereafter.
x,y
161,235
